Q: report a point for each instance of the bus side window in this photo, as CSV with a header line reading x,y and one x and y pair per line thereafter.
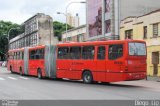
x,y
115,51
10,56
42,54
63,53
101,53
37,54
15,55
75,53
22,55
88,52
18,55
32,55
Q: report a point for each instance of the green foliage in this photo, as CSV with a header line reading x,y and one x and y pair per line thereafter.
x,y
4,28
59,28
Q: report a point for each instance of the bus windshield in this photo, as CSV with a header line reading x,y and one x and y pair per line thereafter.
x,y
137,49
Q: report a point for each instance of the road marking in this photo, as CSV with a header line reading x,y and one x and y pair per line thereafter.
x,y
12,78
24,78
2,79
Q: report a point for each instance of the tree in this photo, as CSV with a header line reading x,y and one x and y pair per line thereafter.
x,y
59,28
4,28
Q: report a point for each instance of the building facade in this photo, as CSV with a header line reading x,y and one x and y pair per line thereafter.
x,y
38,31
145,27
75,35
103,16
73,20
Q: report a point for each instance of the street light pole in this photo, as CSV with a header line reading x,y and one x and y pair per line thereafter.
x,y
67,17
66,21
9,35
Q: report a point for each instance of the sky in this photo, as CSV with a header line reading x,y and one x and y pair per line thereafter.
x,y
18,11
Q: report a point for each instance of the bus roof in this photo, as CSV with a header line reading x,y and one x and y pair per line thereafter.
x,y
98,42
21,49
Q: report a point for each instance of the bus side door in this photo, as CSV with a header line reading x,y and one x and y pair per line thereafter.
x,y
115,61
101,63
76,63
32,62
63,62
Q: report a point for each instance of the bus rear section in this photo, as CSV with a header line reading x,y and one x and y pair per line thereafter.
x,y
127,61
136,61
35,61
15,61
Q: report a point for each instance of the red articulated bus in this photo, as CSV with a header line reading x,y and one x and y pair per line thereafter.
x,y
33,61
100,61
16,60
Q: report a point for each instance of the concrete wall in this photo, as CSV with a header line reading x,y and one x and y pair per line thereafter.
x,y
137,7
46,34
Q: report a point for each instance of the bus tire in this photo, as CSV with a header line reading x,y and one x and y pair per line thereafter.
x,y
58,79
39,73
87,77
20,71
11,69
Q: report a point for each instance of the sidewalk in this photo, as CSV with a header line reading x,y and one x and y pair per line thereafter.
x,y
153,78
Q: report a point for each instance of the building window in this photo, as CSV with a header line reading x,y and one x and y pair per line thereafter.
x,y
80,38
145,32
129,34
69,39
27,41
108,26
107,5
35,39
155,30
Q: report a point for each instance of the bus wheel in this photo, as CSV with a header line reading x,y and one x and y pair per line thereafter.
x,y
39,74
87,77
11,69
20,71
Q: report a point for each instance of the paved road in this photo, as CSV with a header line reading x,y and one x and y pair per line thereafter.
x,y
13,86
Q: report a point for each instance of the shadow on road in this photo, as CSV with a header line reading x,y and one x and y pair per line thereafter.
x,y
70,82
94,83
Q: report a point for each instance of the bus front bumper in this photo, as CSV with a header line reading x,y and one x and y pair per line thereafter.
x,y
136,76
